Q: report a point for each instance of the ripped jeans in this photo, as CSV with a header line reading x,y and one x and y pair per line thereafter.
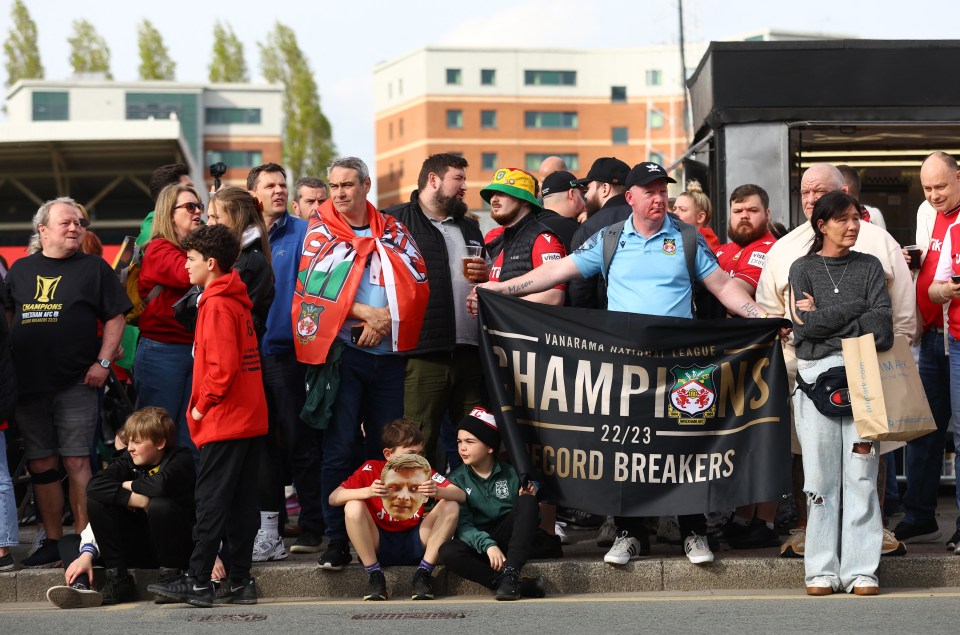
x,y
844,526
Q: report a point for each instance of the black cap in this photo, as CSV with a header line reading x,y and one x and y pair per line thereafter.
x,y
606,170
559,181
646,173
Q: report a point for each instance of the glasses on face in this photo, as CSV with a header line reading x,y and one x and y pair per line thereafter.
x,y
191,207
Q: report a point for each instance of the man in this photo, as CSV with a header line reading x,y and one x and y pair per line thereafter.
x,y
773,295
662,287
360,300
743,260
521,243
309,193
605,205
867,212
443,376
941,188
283,378
550,165
562,205
59,297
162,177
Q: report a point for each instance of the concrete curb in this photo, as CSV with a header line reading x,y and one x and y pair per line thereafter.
x,y
302,579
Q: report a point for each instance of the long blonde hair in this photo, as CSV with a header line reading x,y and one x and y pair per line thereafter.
x,y
166,207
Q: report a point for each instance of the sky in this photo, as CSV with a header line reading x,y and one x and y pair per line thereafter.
x,y
344,41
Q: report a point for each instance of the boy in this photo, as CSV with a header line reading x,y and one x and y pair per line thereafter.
x,y
497,524
227,418
383,508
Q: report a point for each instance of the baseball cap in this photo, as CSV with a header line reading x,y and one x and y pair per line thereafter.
x,y
606,170
559,181
516,183
646,173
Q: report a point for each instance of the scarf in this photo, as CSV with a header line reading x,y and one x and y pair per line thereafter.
x,y
332,263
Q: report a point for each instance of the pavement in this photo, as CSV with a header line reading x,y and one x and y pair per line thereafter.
x,y
580,571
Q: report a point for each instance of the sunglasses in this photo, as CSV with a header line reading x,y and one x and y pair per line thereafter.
x,y
191,207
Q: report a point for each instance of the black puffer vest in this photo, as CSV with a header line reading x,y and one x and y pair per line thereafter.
x,y
439,331
517,242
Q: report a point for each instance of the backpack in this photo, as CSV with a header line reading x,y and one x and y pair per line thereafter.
x,y
129,275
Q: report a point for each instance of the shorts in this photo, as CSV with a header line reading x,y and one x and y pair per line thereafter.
x,y
59,422
400,548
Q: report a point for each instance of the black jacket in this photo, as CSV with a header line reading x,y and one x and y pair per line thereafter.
x,y
591,293
175,479
517,242
439,331
562,227
257,274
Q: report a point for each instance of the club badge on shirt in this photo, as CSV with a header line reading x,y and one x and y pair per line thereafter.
x,y
669,246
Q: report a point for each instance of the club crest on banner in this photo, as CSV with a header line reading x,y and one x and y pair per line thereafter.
x,y
308,322
693,397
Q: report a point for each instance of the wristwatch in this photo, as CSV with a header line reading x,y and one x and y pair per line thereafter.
x,y
105,363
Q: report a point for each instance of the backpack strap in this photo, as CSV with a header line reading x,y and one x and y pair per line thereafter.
x,y
610,237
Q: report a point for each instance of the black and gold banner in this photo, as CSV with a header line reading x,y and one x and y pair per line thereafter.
x,y
638,415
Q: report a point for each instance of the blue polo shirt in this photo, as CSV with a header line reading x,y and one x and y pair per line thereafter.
x,y
647,275
370,294
286,246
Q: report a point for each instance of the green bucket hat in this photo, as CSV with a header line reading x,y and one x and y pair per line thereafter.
x,y
516,183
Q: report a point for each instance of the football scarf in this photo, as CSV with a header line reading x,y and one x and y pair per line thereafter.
x,y
332,264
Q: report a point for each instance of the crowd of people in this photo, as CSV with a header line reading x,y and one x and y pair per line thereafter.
x,y
335,348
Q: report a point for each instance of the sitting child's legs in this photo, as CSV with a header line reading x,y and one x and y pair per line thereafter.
x,y
171,532
438,528
362,531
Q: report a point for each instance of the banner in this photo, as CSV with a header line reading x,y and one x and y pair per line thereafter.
x,y
637,415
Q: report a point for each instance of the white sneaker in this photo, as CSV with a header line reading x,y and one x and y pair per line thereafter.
x,y
625,548
560,533
267,547
697,549
607,533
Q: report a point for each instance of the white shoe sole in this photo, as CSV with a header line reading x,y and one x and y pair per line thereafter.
x,y
619,561
700,559
65,597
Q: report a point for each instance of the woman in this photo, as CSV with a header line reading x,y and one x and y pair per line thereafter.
x,y
694,208
838,294
163,367
237,209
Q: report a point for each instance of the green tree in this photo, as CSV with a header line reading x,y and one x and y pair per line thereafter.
x,y
307,143
89,52
155,62
23,56
228,64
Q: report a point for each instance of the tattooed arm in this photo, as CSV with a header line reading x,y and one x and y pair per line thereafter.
x,y
543,278
732,295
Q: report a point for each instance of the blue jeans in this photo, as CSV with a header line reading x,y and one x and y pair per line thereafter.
x,y
9,531
163,374
371,393
955,400
923,457
844,527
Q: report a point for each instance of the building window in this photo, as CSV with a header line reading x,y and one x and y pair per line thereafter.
x,y
390,131
618,94
488,161
655,119
550,120
161,105
232,115
400,126
49,106
390,90
400,87
488,76
656,157
654,77
454,77
550,78
533,161
488,118
619,136
236,158
454,119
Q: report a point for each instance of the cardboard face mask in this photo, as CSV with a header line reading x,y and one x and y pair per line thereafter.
x,y
403,499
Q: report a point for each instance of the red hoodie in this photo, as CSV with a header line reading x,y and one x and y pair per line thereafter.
x,y
227,384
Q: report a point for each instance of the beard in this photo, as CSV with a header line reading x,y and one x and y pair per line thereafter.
x,y
593,204
452,206
744,233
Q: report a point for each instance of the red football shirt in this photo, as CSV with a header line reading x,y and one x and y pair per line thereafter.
x,y
546,247
365,476
745,263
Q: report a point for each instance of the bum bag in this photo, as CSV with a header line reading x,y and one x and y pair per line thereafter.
x,y
829,392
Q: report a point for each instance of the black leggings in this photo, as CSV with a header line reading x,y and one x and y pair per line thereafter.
x,y
160,536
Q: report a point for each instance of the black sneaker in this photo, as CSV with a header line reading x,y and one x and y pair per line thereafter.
x,y
77,596
376,587
187,589
509,585
7,563
236,592
336,557
545,546
532,587
422,585
952,544
756,536
166,574
118,587
46,556
578,519
928,531
306,542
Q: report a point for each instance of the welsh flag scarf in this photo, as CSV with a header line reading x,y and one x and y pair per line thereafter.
x,y
332,264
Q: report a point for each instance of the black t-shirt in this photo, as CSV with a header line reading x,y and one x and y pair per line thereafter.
x,y
56,304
